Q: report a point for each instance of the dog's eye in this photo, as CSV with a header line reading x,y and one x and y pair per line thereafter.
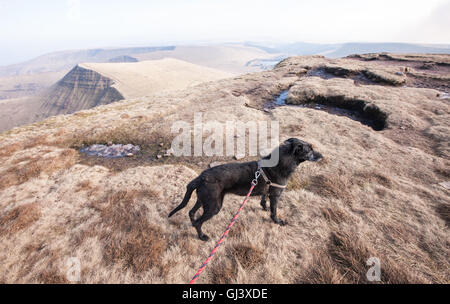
x,y
298,149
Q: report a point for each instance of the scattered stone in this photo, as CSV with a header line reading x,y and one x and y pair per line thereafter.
x,y
445,96
169,152
266,110
161,144
238,157
446,185
110,143
158,156
130,154
399,73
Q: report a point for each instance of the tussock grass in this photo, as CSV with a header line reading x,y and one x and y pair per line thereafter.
x,y
443,209
32,167
336,214
344,262
331,186
224,272
130,238
248,255
19,218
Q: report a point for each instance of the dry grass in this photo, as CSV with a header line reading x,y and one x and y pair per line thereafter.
x,y
83,186
322,270
130,238
32,167
224,272
336,214
52,276
19,218
371,177
248,255
331,186
370,196
443,209
344,262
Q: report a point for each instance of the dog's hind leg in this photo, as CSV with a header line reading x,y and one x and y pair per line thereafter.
x,y
211,208
263,202
207,214
194,209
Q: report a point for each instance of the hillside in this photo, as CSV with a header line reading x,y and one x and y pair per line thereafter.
x,y
92,84
379,192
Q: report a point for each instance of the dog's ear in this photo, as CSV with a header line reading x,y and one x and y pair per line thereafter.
x,y
297,149
293,145
289,141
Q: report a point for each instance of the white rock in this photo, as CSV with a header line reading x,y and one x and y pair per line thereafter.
x,y
446,185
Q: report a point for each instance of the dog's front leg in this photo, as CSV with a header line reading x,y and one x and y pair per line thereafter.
x,y
263,202
273,209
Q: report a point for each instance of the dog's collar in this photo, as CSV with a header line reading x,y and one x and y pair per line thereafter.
x,y
266,179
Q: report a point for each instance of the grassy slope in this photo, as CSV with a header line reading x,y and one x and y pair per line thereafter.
x,y
375,193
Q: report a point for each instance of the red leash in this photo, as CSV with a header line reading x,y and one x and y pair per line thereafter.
x,y
224,235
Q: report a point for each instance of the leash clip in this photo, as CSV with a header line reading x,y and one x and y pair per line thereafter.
x,y
257,174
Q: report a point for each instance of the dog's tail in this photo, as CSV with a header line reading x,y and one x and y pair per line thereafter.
x,y
190,188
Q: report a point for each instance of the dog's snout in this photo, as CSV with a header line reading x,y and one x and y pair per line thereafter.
x,y
315,156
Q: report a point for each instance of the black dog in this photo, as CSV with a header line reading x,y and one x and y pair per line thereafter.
x,y
212,184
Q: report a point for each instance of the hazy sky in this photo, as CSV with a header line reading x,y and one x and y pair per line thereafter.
x,y
29,28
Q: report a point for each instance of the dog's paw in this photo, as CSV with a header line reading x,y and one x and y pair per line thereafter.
x,y
278,221
204,237
282,223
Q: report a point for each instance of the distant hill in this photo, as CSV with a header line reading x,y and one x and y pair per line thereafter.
x,y
345,49
361,48
123,58
58,61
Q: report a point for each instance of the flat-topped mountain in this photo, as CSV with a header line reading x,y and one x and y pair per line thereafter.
x,y
92,84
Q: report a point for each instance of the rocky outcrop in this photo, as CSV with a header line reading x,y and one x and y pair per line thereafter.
x,y
80,89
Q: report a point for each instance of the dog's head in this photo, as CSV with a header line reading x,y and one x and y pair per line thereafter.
x,y
301,150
